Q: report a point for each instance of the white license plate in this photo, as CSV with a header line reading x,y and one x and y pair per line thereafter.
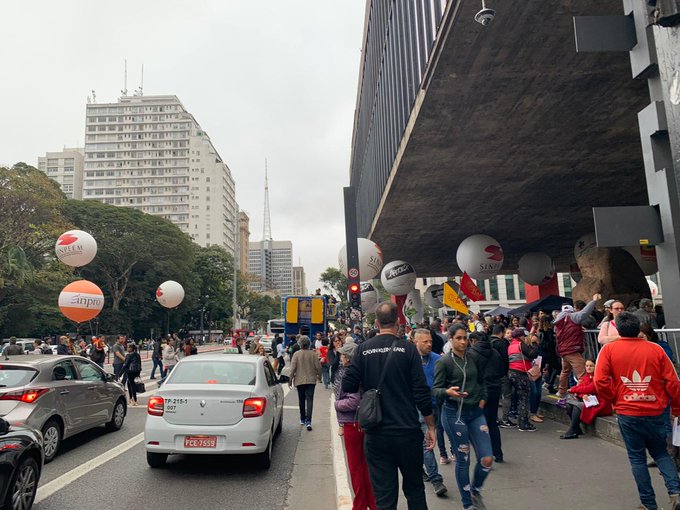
x,y
200,442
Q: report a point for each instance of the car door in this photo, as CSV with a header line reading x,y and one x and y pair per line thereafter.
x,y
275,391
71,397
93,380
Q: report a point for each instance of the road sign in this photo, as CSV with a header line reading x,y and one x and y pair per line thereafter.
x,y
354,272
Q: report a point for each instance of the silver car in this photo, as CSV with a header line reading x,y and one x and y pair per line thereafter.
x,y
60,396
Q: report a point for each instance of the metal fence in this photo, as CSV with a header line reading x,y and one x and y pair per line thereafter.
x,y
400,35
592,346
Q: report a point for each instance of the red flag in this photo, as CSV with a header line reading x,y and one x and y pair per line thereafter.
x,y
470,289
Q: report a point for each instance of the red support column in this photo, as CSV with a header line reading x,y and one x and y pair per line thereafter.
x,y
399,301
534,292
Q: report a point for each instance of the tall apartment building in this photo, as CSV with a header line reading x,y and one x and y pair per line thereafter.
x,y
149,153
299,284
270,266
66,168
244,241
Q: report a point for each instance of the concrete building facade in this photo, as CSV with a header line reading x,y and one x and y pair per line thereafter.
x,y
244,242
148,152
270,267
299,284
66,168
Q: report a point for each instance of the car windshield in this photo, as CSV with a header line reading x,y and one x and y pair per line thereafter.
x,y
13,376
213,372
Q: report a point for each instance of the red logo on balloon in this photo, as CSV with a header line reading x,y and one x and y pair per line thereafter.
x,y
66,239
159,292
496,252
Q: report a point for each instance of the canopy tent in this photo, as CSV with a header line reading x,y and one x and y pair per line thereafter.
x,y
499,310
548,304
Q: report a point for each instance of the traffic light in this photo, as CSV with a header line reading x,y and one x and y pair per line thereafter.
x,y
354,295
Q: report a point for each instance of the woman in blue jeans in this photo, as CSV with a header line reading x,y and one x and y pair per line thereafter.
x,y
459,383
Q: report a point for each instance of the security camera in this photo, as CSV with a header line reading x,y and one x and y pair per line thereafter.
x,y
485,16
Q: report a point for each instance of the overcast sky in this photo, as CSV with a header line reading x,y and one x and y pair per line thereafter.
x,y
274,79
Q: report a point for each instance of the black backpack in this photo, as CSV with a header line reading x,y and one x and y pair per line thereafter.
x,y
45,349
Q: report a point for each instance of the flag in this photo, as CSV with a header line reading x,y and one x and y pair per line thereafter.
x,y
452,300
470,289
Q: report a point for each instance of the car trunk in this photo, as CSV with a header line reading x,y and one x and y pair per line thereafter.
x,y
204,404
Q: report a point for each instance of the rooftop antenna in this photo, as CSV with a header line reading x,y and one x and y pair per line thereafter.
x,y
125,90
94,97
140,89
267,227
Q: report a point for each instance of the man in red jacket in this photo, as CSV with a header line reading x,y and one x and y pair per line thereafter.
x,y
640,381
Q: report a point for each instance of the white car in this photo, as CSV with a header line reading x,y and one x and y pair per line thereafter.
x,y
215,404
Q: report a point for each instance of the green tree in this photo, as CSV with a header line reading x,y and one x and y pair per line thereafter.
x,y
214,268
261,308
335,282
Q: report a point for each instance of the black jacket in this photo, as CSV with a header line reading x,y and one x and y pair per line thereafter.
x,y
62,349
501,346
437,342
490,363
157,352
404,390
463,372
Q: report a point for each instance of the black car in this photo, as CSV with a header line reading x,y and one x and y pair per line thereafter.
x,y
21,462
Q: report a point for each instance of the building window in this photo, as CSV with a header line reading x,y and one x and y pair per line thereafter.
x,y
493,289
52,170
522,294
68,169
566,280
510,287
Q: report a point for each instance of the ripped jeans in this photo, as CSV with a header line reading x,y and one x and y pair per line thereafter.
x,y
471,429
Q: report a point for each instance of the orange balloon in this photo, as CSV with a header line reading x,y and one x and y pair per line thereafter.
x,y
81,301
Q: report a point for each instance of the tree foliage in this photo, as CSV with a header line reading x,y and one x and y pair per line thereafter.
x,y
335,282
261,308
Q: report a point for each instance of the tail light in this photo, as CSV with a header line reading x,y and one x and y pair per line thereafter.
x,y
27,396
253,407
156,406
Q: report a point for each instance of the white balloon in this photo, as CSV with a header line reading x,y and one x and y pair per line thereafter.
x,y
170,294
583,244
480,256
370,297
370,259
75,248
653,288
413,307
398,278
536,268
434,296
645,256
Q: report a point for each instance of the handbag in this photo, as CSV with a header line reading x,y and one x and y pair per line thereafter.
x,y
534,373
369,413
139,386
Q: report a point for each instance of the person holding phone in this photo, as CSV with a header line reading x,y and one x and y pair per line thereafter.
x,y
459,383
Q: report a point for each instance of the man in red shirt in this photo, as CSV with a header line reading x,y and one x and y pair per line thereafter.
x,y
640,381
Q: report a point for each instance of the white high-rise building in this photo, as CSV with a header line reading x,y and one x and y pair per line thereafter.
x,y
270,265
66,168
148,152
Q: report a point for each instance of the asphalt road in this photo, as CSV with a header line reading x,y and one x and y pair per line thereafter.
x,y
102,470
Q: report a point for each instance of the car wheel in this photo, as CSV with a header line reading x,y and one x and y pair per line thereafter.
x,y
117,417
156,460
279,427
264,459
51,439
23,486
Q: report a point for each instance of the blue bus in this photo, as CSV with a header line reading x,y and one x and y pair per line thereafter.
x,y
305,315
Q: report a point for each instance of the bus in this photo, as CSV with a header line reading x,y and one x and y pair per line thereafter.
x,y
275,326
305,315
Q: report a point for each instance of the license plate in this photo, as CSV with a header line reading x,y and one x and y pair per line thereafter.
x,y
200,442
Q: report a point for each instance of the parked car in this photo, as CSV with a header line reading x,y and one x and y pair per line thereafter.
x,y
60,396
215,404
21,462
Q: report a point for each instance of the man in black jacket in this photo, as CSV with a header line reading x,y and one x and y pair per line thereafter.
x,y
491,364
396,444
500,343
437,338
157,358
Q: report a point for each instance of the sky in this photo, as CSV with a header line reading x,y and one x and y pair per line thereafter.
x,y
270,79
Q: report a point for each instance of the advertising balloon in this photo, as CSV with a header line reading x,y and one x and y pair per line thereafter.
x,y
75,248
170,294
480,256
434,296
370,259
398,278
81,301
583,244
645,256
413,307
370,297
536,268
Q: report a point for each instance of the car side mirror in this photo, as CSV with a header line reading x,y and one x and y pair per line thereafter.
x,y
4,427
108,377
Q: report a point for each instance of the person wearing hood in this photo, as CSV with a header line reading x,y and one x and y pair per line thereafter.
x,y
493,369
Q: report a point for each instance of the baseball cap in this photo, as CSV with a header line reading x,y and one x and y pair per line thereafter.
x,y
348,349
567,308
609,303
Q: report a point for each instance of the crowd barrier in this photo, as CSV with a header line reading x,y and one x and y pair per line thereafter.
x,y
592,346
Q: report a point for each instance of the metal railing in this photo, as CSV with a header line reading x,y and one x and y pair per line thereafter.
x,y
400,35
592,346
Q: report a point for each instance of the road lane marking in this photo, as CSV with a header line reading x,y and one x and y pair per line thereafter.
x,y
69,477
291,407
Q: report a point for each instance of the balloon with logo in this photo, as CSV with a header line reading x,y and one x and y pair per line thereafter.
x,y
413,307
370,297
370,259
398,278
170,294
434,296
75,248
645,256
583,244
536,268
81,301
480,256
